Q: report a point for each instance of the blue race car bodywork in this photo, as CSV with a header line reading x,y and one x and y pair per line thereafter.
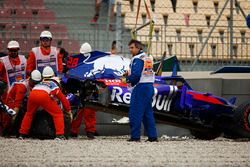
x,y
175,103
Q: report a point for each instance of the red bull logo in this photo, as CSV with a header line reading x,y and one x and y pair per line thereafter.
x,y
161,101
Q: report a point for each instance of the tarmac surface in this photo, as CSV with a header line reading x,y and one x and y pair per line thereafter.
x,y
117,151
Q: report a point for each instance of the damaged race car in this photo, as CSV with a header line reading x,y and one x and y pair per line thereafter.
x,y
95,79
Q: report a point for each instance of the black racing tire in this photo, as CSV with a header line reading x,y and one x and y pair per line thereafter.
x,y
43,126
206,134
242,121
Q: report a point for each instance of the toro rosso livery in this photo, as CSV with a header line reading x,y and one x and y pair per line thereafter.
x,y
174,102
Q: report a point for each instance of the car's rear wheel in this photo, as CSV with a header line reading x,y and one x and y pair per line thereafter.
x,y
206,134
242,120
43,126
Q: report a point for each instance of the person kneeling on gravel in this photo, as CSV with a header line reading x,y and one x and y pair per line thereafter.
x,y
16,99
44,95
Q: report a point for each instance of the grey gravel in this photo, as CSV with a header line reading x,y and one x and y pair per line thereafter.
x,y
116,151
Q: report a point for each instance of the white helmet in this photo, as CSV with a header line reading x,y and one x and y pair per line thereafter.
x,y
46,34
85,48
48,72
13,44
36,76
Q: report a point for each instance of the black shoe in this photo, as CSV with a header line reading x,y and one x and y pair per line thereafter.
x,y
74,135
96,133
60,137
91,135
152,139
133,140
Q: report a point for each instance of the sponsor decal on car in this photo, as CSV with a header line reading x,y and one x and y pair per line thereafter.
x,y
161,101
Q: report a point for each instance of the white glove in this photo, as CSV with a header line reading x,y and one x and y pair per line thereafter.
x,y
10,111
